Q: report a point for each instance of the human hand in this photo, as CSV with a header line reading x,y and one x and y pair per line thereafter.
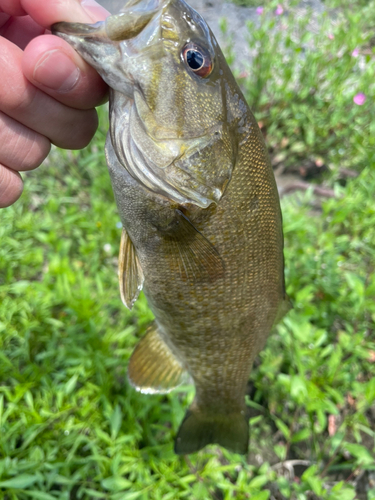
x,y
47,91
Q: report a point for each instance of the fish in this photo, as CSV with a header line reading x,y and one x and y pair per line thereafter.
x,y
202,226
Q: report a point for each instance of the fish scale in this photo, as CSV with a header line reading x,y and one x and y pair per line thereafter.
x,y
200,210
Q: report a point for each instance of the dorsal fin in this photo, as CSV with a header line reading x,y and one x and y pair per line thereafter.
x,y
195,256
130,273
153,368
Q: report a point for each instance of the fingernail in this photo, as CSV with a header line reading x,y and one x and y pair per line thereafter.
x,y
94,9
56,71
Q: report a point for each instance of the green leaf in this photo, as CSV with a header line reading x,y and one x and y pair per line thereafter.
x,y
355,283
116,420
40,495
19,482
298,147
370,391
341,491
301,435
280,451
70,385
316,484
116,483
263,495
310,472
93,494
258,482
199,491
298,387
19,287
282,427
1,408
360,452
131,495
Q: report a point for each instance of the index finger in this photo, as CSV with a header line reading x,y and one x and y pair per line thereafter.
x,y
12,7
53,11
51,63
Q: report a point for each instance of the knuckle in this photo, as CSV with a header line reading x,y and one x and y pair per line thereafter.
x,y
21,148
11,186
31,151
79,135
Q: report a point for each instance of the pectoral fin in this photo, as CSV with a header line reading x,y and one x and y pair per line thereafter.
x,y
153,368
194,255
130,273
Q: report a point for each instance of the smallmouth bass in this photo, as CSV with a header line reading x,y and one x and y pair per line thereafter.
x,y
199,206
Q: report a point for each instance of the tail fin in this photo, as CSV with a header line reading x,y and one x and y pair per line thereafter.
x,y
199,429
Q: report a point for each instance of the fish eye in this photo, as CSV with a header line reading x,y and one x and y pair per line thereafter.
x,y
194,59
198,60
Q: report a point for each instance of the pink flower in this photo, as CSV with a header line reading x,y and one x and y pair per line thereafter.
x,y
279,10
330,36
359,98
260,10
355,52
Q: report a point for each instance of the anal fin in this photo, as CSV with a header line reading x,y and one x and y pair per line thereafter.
x,y
130,273
153,368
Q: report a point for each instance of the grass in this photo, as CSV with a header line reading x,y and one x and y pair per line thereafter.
x,y
305,72
330,4
72,428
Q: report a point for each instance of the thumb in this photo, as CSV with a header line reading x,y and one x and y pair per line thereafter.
x,y
53,11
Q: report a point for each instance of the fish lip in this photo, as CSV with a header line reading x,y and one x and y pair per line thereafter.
x,y
106,29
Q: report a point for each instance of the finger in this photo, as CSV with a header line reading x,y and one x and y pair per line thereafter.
x,y
66,127
21,148
4,18
20,30
53,11
54,66
11,186
12,7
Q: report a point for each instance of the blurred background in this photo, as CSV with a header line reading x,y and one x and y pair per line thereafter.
x,y
113,6
72,428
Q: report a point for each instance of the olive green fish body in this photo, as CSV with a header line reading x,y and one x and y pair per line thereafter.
x,y
201,216
215,327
